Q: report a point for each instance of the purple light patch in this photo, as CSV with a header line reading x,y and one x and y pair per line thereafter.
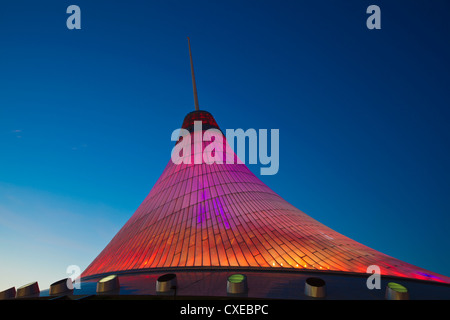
x,y
428,275
201,212
222,214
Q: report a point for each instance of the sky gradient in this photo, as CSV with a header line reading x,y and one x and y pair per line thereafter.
x,y
86,117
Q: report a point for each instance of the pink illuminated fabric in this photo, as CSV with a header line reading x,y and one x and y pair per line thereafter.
x,y
222,215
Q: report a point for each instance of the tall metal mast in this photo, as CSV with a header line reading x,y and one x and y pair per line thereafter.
x,y
193,78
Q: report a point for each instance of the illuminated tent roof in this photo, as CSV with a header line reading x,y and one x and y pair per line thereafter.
x,y
217,216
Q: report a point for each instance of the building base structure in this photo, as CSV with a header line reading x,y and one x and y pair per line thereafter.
x,y
278,283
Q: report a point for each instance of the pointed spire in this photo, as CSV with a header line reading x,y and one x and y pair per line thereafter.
x,y
193,78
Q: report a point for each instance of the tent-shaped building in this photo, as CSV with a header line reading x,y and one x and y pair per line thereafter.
x,y
215,230
203,222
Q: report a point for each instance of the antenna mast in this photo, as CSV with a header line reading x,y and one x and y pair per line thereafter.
x,y
193,78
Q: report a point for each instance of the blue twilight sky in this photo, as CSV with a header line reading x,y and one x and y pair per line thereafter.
x,y
86,117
